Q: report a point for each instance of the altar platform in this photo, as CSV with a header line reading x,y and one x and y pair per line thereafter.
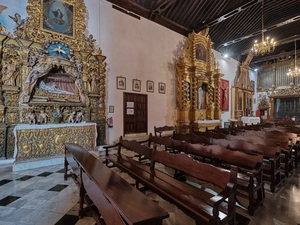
x,y
203,125
43,145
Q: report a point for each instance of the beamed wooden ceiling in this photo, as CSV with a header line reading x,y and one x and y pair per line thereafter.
x,y
234,25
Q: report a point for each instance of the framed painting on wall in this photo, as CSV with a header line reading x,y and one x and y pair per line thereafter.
x,y
150,86
136,85
161,88
224,95
121,83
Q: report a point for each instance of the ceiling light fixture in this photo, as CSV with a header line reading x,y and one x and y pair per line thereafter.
x,y
266,46
296,71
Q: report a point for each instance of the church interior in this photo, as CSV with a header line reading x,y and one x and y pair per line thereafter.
x,y
164,112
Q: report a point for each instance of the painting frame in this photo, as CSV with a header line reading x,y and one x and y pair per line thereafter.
x,y
224,95
161,88
136,85
150,86
49,20
121,83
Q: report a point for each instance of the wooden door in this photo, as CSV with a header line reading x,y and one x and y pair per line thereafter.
x,y
135,113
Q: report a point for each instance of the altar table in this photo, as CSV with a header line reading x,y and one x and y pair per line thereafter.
x,y
250,120
43,145
203,125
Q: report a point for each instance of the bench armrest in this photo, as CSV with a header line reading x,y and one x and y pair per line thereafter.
x,y
216,200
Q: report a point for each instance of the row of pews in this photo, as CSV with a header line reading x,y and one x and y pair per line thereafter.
x,y
278,146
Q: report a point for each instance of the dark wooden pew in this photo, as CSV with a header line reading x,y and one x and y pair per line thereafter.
x,y
285,145
251,184
200,205
271,163
250,173
164,131
114,198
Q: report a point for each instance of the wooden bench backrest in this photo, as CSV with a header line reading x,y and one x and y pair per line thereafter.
x,y
183,129
201,140
237,158
260,140
164,131
165,141
188,137
242,145
137,147
201,171
179,145
218,152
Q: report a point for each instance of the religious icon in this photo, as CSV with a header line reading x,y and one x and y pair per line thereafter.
x,y
224,95
201,52
121,83
136,85
150,86
161,88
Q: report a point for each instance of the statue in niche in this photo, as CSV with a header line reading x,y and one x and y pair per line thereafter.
x,y
201,98
10,73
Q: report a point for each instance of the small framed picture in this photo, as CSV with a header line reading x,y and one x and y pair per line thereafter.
x,y
161,88
121,83
111,109
150,86
136,85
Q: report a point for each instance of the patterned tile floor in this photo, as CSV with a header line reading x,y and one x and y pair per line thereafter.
x,y
42,197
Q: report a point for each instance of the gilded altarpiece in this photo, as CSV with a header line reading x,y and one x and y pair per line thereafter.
x,y
242,92
198,81
44,70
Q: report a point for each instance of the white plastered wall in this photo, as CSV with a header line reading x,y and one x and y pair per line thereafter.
x,y
141,49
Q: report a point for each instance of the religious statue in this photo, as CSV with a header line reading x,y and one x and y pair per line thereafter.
x,y
90,43
43,117
20,26
2,29
71,118
9,73
30,116
79,117
201,98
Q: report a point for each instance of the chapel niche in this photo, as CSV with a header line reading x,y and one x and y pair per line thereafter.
x,y
198,81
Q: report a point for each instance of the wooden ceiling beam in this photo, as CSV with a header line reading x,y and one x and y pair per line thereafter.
x,y
161,8
200,26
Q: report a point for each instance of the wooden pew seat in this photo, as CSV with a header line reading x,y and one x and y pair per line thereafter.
x,y
114,198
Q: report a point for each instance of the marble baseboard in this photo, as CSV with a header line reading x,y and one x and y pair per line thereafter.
x,y
19,165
